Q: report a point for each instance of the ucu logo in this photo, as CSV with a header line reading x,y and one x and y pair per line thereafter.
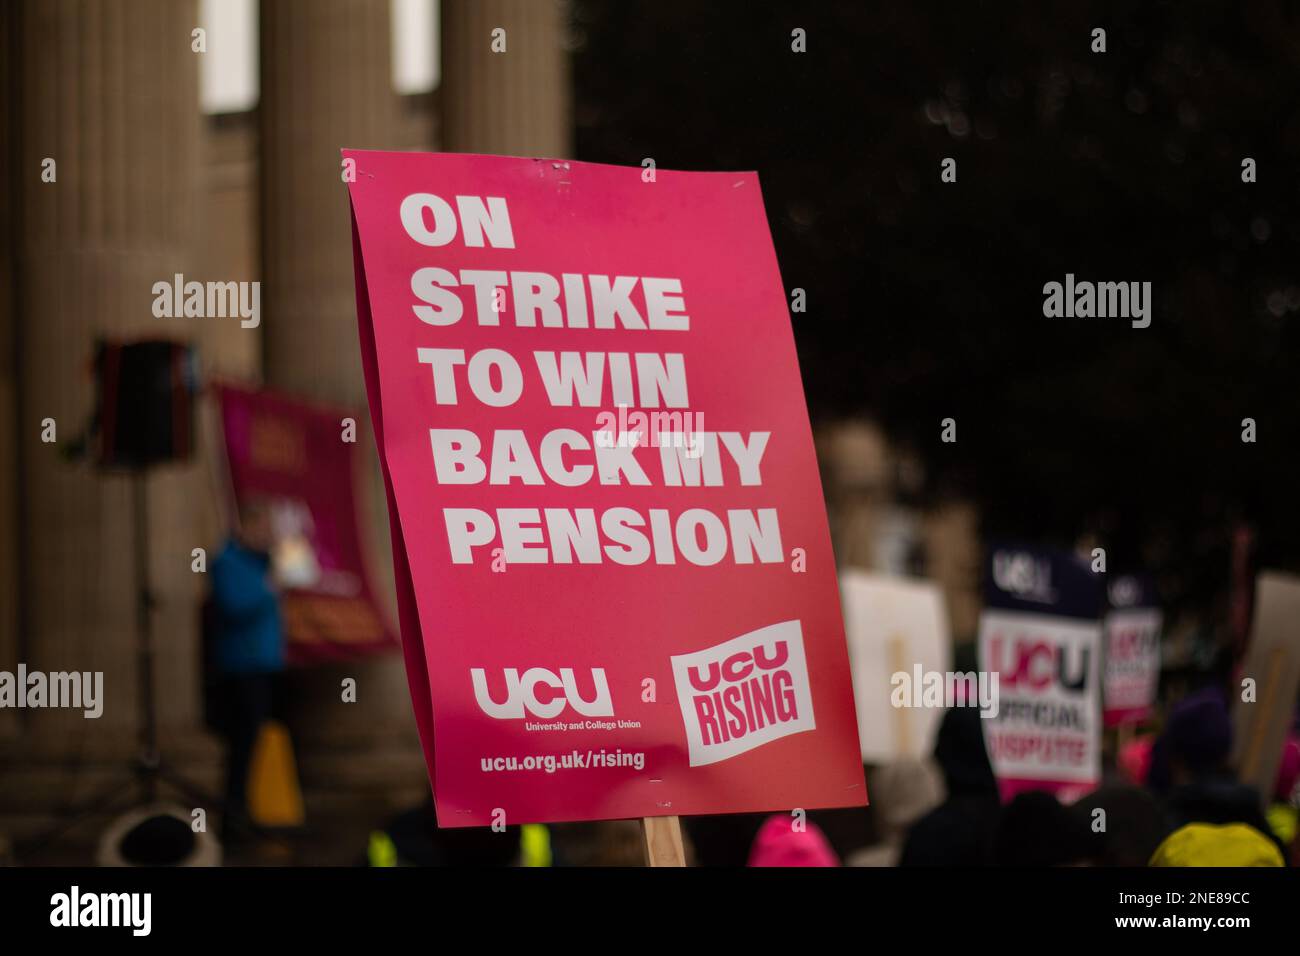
x,y
1020,574
542,694
738,666
1124,592
1132,640
1038,664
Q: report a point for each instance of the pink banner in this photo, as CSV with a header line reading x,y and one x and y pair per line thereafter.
x,y
298,458
618,592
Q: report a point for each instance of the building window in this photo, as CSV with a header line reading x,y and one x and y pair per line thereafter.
x,y
228,70
415,45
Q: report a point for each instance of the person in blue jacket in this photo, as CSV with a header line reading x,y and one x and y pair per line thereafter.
x,y
248,648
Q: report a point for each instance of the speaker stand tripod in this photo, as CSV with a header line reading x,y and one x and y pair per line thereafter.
x,y
146,772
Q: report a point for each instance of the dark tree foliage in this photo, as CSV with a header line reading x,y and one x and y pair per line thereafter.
x,y
925,299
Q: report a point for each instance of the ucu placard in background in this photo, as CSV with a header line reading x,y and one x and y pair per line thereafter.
x,y
744,693
1040,632
541,693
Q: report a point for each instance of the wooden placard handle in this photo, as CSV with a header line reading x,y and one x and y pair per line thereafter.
x,y
663,841
902,716
1253,754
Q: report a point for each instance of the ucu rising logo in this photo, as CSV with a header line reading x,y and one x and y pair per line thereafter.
x,y
744,693
539,692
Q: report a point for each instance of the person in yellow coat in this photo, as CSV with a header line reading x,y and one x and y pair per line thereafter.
x,y
1222,844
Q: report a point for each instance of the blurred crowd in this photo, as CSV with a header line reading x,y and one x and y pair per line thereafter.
x,y
1171,799
1168,798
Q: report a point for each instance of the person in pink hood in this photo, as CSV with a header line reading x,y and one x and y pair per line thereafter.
x,y
783,841
1283,811
1134,759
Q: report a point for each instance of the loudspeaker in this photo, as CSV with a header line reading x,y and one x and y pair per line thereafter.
x,y
145,402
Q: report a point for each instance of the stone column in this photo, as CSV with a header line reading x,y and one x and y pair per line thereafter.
x,y
326,83
515,102
9,591
109,94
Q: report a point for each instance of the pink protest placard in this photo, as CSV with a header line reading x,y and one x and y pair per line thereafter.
x,y
289,453
1131,628
619,598
1039,634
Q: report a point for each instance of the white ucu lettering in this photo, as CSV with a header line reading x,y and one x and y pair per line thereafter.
x,y
521,694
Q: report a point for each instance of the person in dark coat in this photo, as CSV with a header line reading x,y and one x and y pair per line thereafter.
x,y
1136,824
1189,766
248,650
1036,829
960,831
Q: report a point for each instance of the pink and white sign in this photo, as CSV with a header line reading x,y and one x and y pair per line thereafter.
x,y
1040,633
617,591
1132,670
